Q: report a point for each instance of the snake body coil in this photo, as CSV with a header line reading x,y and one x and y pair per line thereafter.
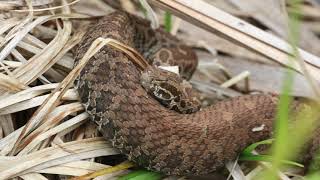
x,y
148,133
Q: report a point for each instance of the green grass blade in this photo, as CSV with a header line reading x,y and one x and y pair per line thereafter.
x,y
168,22
249,149
267,158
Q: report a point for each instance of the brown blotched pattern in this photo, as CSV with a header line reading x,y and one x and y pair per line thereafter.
x,y
153,136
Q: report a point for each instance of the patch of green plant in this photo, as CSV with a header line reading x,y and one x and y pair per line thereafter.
x,y
247,154
167,21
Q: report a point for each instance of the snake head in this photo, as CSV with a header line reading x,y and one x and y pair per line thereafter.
x,y
170,90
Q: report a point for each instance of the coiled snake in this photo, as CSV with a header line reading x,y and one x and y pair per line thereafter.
x,y
150,134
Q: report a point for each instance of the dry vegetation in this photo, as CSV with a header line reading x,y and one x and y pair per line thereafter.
x,y
44,131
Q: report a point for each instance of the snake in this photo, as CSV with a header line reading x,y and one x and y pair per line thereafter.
x,y
188,142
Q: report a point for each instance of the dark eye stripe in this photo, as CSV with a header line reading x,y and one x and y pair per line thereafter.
x,y
165,94
170,88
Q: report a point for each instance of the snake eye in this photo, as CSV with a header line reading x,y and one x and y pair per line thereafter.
x,y
164,94
170,88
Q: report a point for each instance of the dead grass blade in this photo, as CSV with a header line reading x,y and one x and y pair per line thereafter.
x,y
27,73
7,143
23,2
10,84
53,119
67,152
48,9
108,170
70,95
75,168
27,94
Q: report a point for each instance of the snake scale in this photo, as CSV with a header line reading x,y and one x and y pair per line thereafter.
x,y
150,134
